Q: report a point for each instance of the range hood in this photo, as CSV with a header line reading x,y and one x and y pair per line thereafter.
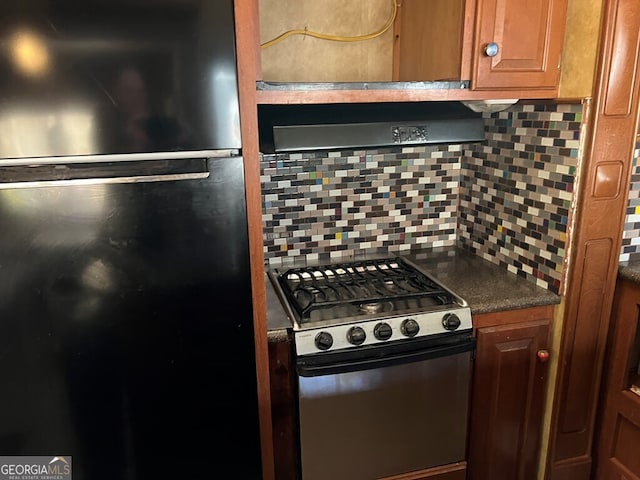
x,y
295,128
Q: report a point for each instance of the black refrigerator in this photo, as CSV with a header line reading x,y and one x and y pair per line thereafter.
x,y
126,332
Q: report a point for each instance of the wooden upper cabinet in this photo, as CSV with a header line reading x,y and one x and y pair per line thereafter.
x,y
526,38
431,40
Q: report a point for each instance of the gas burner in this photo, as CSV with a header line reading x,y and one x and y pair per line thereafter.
x,y
348,289
376,307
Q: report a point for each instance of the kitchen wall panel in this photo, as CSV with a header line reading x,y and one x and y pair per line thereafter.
x,y
307,59
580,49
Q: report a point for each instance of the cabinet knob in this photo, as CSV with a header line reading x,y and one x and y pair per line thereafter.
x,y
492,49
543,355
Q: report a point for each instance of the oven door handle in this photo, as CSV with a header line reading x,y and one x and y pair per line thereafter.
x,y
366,358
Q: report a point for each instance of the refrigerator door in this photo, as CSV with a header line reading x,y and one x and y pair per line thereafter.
x,y
98,77
126,334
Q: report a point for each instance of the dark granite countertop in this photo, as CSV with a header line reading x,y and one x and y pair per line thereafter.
x,y
278,323
630,271
485,286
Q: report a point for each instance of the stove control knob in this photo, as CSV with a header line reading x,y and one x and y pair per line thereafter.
x,y
356,336
382,331
409,327
451,321
324,340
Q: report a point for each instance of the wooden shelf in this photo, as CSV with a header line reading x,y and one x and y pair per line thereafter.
x,y
345,95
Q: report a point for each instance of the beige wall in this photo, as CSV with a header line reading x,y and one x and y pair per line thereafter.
x,y
306,59
580,48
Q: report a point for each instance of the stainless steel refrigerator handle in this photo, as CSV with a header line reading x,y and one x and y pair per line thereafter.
x,y
104,181
117,157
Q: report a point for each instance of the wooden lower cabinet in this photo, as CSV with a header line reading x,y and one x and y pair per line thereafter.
x,y
618,456
284,410
508,394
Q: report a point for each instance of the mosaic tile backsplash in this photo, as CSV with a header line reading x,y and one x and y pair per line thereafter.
x,y
516,190
630,250
327,205
507,199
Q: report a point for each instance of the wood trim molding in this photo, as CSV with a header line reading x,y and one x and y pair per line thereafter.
x,y
509,317
246,18
394,95
595,244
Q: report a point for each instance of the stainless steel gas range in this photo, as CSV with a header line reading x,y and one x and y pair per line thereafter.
x,y
383,359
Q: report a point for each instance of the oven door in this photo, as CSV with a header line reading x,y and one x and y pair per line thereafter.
x,y
374,412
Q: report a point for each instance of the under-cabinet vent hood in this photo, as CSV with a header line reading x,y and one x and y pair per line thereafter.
x,y
293,128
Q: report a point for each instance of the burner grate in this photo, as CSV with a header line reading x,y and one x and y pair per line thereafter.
x,y
369,286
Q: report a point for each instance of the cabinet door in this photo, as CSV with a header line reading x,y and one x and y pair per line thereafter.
x,y
528,35
507,401
620,430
